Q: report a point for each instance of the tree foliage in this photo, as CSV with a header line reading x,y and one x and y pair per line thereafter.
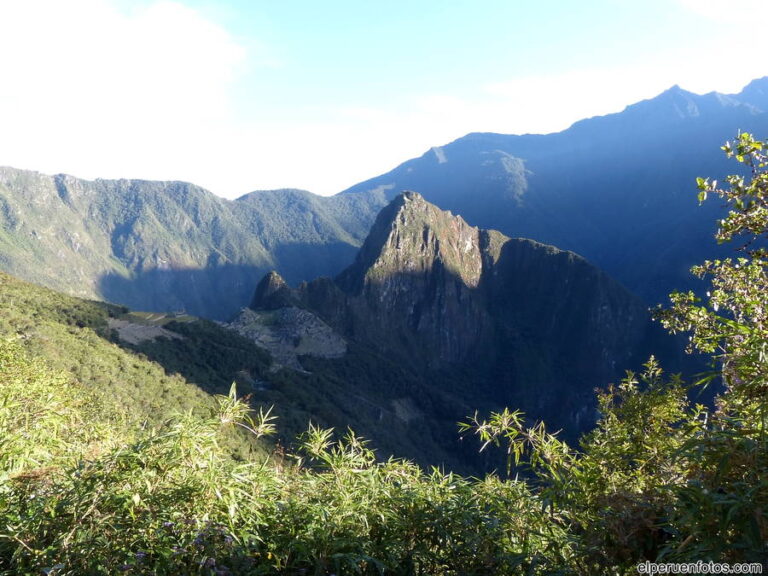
x,y
660,478
732,321
723,504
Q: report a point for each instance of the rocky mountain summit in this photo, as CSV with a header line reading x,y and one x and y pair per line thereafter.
x,y
523,323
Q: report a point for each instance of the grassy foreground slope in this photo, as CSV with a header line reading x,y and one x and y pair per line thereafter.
x,y
72,337
152,379
85,491
78,496
109,465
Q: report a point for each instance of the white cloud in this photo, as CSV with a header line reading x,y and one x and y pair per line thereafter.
x,y
727,54
95,91
550,103
749,14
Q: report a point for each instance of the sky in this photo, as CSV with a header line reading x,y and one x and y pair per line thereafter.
x,y
237,96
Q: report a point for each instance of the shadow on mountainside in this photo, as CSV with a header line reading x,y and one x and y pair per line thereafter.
x,y
219,292
403,407
540,341
215,293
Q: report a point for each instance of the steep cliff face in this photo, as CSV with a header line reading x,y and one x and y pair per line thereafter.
x,y
414,285
561,326
434,289
528,324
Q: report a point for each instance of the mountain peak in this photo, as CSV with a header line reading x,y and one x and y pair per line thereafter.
x,y
433,292
272,293
756,84
755,93
675,89
412,237
408,201
410,195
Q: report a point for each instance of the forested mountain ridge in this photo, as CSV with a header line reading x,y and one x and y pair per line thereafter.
x,y
167,245
615,189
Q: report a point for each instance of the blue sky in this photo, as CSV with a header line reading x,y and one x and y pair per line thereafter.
x,y
237,96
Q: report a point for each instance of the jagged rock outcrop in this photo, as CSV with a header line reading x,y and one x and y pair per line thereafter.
x,y
414,285
272,293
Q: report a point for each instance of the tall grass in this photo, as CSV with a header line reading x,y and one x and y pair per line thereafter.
x,y
81,496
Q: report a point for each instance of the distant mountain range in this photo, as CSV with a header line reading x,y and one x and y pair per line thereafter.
x,y
616,189
170,246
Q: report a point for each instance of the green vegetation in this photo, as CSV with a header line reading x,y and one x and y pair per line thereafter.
x,y
170,246
72,336
171,501
208,355
83,491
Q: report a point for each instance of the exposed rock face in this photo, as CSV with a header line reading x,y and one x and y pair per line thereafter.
x,y
272,293
415,280
533,325
289,332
